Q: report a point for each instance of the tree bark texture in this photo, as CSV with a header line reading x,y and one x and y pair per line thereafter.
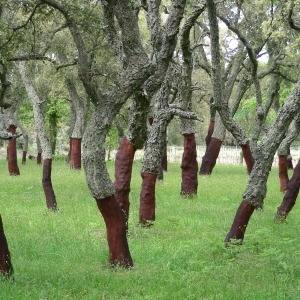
x,y
6,268
47,185
24,156
289,159
13,167
283,172
114,219
290,196
147,199
257,183
123,171
210,157
239,225
189,167
75,155
209,132
247,154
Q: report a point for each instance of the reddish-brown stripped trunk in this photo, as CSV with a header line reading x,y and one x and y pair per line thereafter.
x,y
283,172
113,216
210,157
247,154
24,155
189,166
147,199
209,132
13,168
240,222
39,158
6,268
164,162
123,171
75,153
290,196
47,185
289,161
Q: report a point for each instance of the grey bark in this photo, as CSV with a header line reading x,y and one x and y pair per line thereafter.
x,y
37,110
256,187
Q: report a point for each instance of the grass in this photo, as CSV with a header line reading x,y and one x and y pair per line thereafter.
x,y
64,255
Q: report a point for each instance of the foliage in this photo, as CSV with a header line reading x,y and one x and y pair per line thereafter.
x,y
64,255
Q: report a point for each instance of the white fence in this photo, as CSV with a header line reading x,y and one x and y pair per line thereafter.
x,y
227,155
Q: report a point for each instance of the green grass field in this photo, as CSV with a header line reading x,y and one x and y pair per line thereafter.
x,y
64,255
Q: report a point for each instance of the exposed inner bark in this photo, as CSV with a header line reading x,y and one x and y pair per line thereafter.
x,y
147,199
239,225
75,153
164,162
6,268
39,158
123,171
210,157
113,216
47,185
249,160
289,160
24,155
209,132
13,168
189,166
283,173
290,196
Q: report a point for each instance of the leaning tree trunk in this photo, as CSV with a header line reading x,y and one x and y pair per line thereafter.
x,y
284,153
213,149
134,139
290,197
283,172
6,268
42,136
101,186
256,188
12,158
123,171
210,131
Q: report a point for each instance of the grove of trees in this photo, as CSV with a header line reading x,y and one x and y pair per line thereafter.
x,y
90,72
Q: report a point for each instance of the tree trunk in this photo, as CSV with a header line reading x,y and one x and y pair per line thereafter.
x,y
119,254
25,141
210,157
249,160
123,171
209,132
147,199
6,268
283,172
39,150
239,225
289,159
47,185
24,156
189,166
13,168
290,196
213,149
75,155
